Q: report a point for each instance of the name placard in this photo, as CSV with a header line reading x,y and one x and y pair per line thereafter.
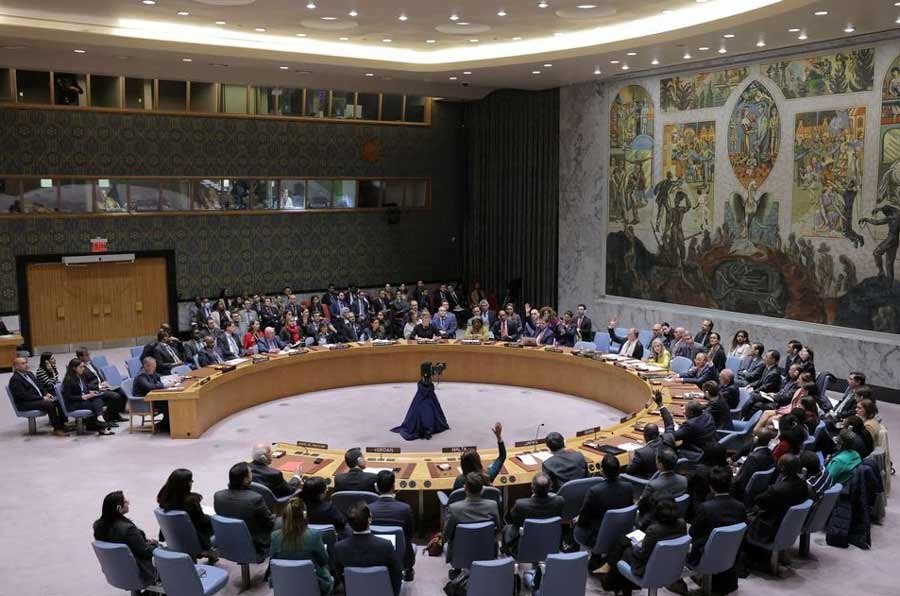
x,y
628,417
529,443
392,450
589,431
311,445
458,449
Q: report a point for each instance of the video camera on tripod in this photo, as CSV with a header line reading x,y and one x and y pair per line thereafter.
x,y
432,369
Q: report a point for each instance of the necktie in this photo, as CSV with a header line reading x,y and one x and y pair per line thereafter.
x,y
503,329
231,345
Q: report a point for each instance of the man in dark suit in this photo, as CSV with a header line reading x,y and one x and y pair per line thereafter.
x,y
758,460
505,329
565,464
265,474
356,478
269,342
846,406
754,368
717,406
351,329
165,355
540,505
697,432
643,460
149,380
474,508
239,502
630,346
792,354
770,379
702,337
728,390
583,324
115,399
363,549
441,295
193,347
702,371
666,484
686,347
388,511
209,355
420,295
600,498
361,308
228,345
772,401
27,395
773,503
488,316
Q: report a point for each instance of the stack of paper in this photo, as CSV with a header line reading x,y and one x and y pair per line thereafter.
x,y
526,459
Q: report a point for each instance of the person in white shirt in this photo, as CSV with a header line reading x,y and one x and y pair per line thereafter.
x,y
630,345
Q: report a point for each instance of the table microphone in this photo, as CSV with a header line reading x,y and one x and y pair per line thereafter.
x,y
538,430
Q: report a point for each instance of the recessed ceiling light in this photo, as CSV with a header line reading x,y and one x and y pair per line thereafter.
x,y
543,4
430,41
453,78
703,48
625,67
454,17
548,65
849,29
803,36
687,56
301,34
387,40
302,72
187,59
220,22
535,72
722,50
183,13
79,51
148,2
284,67
467,72
728,36
328,18
311,5
632,54
761,43
473,41
820,13
597,70
353,13
655,61
586,6
463,23
501,13
343,38
667,12
794,30
897,21
260,29
370,74
402,17
517,39
614,61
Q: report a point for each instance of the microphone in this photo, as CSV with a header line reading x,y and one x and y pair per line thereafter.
x,y
537,430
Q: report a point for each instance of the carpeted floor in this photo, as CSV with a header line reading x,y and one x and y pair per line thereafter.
x,y
58,484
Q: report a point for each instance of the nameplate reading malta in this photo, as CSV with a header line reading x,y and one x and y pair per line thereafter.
x,y
310,445
529,443
589,431
390,450
458,449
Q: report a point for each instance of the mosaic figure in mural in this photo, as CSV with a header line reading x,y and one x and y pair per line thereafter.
x,y
631,155
702,90
828,74
889,165
689,154
754,135
828,158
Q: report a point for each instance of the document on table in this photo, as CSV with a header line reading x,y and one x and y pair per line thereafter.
x,y
526,459
543,455
630,446
236,361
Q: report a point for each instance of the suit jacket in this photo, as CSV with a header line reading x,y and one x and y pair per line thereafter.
x,y
565,465
166,357
93,376
769,381
702,338
720,412
249,506
698,376
123,531
758,460
324,512
715,512
731,394
687,351
351,332
145,383
209,356
512,331
192,349
637,352
665,484
565,334
488,317
774,503
718,357
469,510
388,511
367,550
643,460
697,433
752,372
264,344
585,326
448,325
225,350
355,479
600,498
72,391
535,508
23,391
274,480
846,406
654,533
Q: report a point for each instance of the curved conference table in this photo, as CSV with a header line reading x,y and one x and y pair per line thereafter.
x,y
209,395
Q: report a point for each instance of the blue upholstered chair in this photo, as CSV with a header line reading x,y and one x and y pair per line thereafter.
x,y
473,542
99,361
136,351
294,578
113,375
737,439
788,531
329,537
573,493
491,578
119,566
817,520
645,336
759,482
445,500
664,566
78,415
137,406
585,345
345,499
565,574
680,365
638,484
133,365
601,340
181,577
399,539
733,363
540,537
234,543
269,497
682,502
30,415
179,533
615,524
182,370
719,554
368,581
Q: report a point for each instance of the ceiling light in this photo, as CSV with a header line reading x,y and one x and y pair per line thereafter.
x,y
328,18
655,61
430,41
284,67
260,29
402,17
624,67
614,61
183,13
217,65
454,17
597,71
187,59
311,5
722,50
535,72
803,36
543,4
794,30
220,22
820,13
79,51
301,35
728,36
761,43
463,23
387,40
148,2
370,74
343,38
453,78
897,21
849,29
632,54
501,13
517,39
687,56
302,72
586,6
548,65
353,13
467,72
703,48
473,41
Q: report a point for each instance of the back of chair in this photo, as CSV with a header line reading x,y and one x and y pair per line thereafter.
x,y
179,532
328,534
399,538
112,374
177,572
127,387
57,391
817,519
119,566
294,578
645,336
184,369
540,537
491,578
12,400
233,539
573,493
99,361
682,502
368,581
721,549
134,367
566,574
136,351
680,365
266,493
792,525
758,482
822,380
345,499
473,542
615,524
666,562
733,363
601,342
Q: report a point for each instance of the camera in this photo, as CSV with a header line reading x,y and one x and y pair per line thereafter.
x,y
432,369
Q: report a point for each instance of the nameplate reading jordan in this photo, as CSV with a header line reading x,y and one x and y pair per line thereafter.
x,y
457,449
529,443
589,431
393,450
311,445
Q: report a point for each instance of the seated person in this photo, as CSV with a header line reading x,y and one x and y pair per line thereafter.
x,y
351,330
176,495
476,330
545,336
863,442
77,396
772,504
565,464
470,461
540,505
97,382
772,401
375,331
770,378
474,508
290,333
327,335
265,474
643,460
566,330
600,498
796,401
238,501
209,355
425,329
842,465
28,395
363,549
728,389
149,380
388,511
666,484
320,510
193,347
114,527
269,342
356,477
166,357
867,411
505,329
697,432
753,368
700,373
297,541
629,346
659,355
759,459
445,321
847,404
817,476
228,344
791,435
717,406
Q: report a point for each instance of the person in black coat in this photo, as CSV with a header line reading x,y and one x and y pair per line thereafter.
x,y
239,502
542,504
320,510
425,329
630,345
149,381
209,355
265,474
356,478
77,396
600,498
388,511
698,430
363,549
113,399
176,495
643,460
772,505
166,356
505,329
28,395
565,464
759,459
720,510
770,378
114,527
700,373
717,406
728,389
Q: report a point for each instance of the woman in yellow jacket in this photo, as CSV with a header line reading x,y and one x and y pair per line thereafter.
x,y
659,355
476,330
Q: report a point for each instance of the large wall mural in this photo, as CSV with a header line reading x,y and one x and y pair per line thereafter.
x,y
698,91
783,221
842,72
631,156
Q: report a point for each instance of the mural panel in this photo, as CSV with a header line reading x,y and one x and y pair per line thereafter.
x,y
827,74
828,169
701,90
689,168
754,136
631,157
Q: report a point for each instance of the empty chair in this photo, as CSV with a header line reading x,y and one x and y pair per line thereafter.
x,y
720,553
269,497
680,365
134,367
99,361
491,578
473,542
136,351
682,502
565,574
179,532
399,539
30,415
137,406
601,341
788,532
329,538
664,566
737,439
78,415
112,374
234,543
181,577
119,566
540,537
817,520
368,581
616,523
573,493
733,363
345,499
182,370
645,336
294,578
758,482
743,398
822,380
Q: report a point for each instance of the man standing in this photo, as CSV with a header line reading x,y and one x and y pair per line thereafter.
x,y
702,337
27,395
583,324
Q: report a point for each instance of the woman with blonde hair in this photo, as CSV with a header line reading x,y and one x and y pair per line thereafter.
x,y
297,541
659,355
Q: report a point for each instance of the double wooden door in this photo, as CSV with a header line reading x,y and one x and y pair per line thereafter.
x,y
96,302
